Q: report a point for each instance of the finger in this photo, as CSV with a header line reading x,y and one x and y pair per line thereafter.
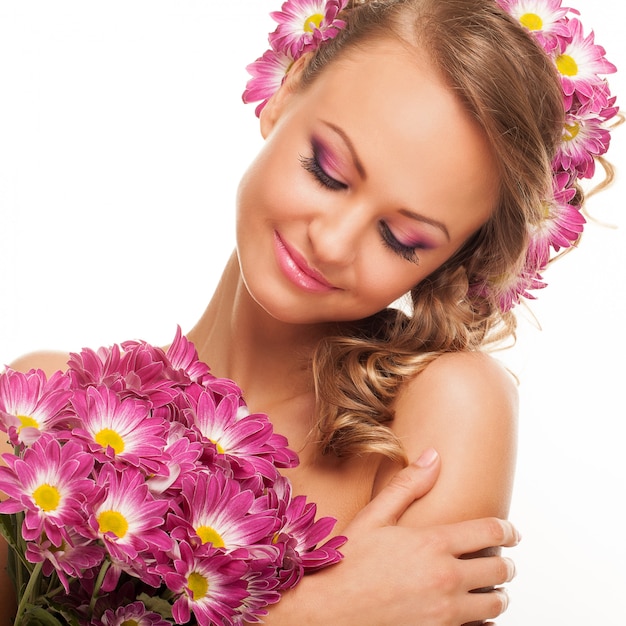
x,y
480,606
482,574
479,534
409,484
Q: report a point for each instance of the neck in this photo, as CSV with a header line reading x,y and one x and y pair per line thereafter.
x,y
267,358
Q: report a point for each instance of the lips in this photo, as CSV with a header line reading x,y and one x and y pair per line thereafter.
x,y
297,270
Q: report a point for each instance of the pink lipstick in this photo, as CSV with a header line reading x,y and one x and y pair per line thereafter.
x,y
297,270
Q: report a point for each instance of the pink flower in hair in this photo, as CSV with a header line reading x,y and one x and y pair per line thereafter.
x,y
302,24
545,19
517,286
580,62
268,73
584,138
561,227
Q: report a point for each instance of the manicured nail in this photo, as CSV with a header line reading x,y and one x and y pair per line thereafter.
x,y
427,458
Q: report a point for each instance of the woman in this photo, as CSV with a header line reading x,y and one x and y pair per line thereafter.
x,y
348,207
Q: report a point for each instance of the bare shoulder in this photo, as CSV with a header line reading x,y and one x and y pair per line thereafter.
x,y
464,405
469,392
463,377
48,361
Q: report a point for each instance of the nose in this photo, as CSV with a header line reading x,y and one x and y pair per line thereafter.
x,y
336,234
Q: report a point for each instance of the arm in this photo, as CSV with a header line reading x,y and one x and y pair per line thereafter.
x,y
465,406
401,575
410,537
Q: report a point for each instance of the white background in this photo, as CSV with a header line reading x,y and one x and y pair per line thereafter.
x,y
122,138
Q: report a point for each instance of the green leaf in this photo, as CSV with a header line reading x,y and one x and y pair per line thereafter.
x,y
38,616
156,604
8,528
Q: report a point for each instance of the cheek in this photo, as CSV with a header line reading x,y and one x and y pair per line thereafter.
x,y
271,187
386,279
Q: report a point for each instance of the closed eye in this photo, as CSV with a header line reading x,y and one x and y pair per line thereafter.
x,y
408,252
312,165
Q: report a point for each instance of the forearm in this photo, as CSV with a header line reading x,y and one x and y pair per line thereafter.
x,y
310,603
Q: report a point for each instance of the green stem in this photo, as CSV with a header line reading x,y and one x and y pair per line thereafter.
x,y
96,589
19,559
30,587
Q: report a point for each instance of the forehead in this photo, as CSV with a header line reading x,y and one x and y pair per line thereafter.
x,y
407,124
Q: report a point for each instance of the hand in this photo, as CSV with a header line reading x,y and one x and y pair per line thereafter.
x,y
402,576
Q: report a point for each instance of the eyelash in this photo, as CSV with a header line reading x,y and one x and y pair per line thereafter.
x,y
406,252
312,165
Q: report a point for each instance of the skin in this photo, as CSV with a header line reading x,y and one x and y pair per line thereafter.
x,y
389,161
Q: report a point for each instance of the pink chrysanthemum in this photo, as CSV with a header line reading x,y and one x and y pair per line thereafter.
x,y
262,587
127,517
561,227
267,75
74,556
216,510
134,614
96,367
580,62
299,535
585,137
512,288
50,483
120,430
145,373
31,404
182,458
303,24
183,359
208,583
249,439
545,19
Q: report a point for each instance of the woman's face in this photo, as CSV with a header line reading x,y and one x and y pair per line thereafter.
x,y
369,179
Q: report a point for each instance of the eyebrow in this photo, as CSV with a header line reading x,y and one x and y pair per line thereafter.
x,y
361,170
427,220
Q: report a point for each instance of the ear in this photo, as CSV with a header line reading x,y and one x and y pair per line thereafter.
x,y
275,106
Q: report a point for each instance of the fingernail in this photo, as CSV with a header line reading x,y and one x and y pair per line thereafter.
x,y
512,571
427,458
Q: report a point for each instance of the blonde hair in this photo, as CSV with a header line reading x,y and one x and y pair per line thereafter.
x,y
508,84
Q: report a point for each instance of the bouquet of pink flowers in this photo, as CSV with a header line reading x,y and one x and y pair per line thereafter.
x,y
142,491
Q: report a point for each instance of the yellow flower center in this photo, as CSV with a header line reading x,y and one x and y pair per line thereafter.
x,y
312,22
47,497
198,585
129,622
532,21
26,421
208,534
107,437
566,65
219,447
114,522
571,131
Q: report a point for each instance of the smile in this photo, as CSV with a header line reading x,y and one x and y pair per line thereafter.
x,y
297,270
